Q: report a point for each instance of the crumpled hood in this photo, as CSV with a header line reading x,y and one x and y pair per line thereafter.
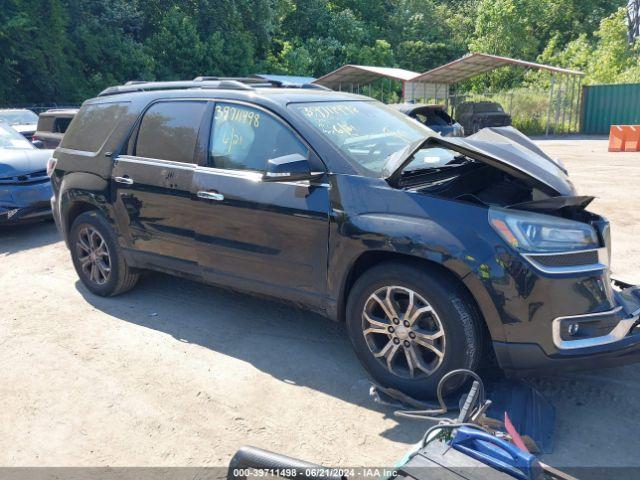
x,y
504,148
23,161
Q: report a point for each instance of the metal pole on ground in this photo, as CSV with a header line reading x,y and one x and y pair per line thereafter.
x,y
556,117
553,79
571,102
579,104
564,103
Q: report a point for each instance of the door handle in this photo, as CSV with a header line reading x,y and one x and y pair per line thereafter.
x,y
210,195
125,180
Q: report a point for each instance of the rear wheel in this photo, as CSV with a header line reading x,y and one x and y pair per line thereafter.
x,y
97,257
409,327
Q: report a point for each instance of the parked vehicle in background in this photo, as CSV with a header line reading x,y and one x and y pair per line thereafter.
x,y
25,189
52,126
474,116
438,252
433,116
20,119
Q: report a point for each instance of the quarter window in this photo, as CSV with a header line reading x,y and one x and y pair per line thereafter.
x,y
244,138
91,126
169,131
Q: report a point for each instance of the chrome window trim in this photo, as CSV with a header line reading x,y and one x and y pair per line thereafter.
x,y
155,162
618,333
603,262
253,175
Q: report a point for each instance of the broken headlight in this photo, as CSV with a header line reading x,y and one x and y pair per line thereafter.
x,y
534,232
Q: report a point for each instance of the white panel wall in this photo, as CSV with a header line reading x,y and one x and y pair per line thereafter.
x,y
426,92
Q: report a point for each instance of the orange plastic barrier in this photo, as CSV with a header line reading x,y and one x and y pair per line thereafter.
x,y
624,138
616,138
631,138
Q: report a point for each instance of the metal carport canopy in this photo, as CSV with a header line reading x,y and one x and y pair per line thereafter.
x,y
362,75
476,63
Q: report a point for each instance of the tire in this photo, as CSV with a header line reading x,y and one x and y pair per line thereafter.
x,y
452,314
97,258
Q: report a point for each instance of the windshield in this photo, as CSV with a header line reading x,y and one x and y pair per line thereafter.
x,y
367,132
9,138
18,117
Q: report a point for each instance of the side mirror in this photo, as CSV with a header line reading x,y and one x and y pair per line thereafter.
x,y
289,168
37,143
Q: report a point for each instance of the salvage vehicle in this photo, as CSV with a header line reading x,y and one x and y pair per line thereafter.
x,y
474,116
20,119
25,190
433,116
52,125
437,252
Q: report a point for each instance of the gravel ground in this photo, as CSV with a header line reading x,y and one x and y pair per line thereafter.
x,y
181,374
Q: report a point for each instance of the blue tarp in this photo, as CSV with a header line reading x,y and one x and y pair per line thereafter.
x,y
286,79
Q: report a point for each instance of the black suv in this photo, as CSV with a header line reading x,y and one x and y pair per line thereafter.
x,y
474,116
437,252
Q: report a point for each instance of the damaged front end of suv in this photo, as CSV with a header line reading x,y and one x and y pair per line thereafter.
x,y
548,275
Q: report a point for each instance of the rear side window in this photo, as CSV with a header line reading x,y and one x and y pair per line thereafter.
x,y
61,124
169,131
92,125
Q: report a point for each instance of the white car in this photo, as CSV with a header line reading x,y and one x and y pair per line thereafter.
x,y
20,119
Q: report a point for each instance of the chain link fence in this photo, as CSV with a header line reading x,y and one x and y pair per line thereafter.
x,y
534,112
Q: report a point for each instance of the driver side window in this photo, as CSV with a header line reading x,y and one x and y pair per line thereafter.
x,y
244,138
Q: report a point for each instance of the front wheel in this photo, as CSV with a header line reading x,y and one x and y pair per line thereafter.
x,y
409,327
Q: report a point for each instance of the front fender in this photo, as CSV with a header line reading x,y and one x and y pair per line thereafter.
x,y
453,235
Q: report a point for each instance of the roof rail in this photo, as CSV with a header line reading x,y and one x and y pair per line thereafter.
x,y
223,83
247,80
139,86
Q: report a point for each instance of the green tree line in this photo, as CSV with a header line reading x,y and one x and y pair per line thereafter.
x,y
68,50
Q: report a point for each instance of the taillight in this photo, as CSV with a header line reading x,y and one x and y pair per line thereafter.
x,y
51,165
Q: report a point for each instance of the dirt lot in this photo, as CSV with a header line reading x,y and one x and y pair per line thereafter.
x,y
181,374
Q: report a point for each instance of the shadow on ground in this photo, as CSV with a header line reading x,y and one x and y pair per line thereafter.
x,y
305,349
17,238
290,344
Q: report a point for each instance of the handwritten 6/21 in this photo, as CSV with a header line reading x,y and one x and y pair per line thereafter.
x,y
231,117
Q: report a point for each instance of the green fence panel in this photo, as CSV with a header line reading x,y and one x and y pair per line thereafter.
x,y
606,105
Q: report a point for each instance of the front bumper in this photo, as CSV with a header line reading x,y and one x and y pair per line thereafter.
x,y
35,212
619,345
29,202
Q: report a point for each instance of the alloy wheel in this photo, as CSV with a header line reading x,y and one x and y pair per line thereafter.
x,y
403,332
93,255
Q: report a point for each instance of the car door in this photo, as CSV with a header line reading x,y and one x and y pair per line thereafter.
x,y
152,183
268,237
